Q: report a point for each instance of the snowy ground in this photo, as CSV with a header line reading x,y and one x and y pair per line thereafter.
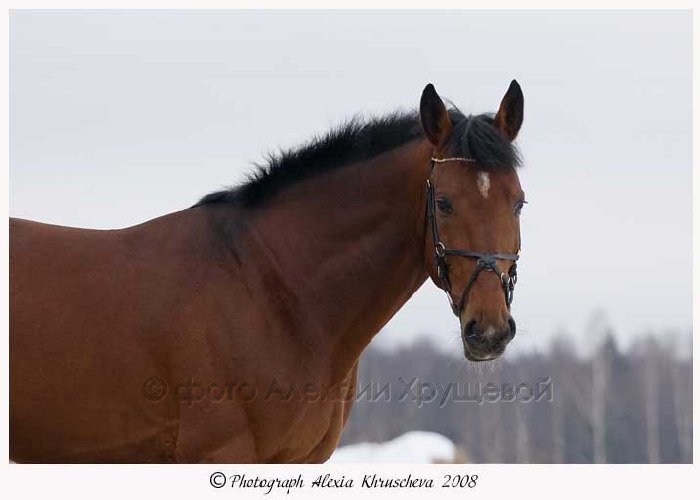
x,y
416,447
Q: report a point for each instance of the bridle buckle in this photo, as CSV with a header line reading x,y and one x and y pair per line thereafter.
x,y
440,249
506,279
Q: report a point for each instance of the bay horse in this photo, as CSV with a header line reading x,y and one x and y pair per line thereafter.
x,y
181,339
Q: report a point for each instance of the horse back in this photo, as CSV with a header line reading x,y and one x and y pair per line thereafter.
x,y
82,345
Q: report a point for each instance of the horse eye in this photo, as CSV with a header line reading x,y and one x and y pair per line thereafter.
x,y
444,205
519,207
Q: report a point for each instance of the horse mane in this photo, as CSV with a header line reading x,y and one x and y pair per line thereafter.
x,y
359,139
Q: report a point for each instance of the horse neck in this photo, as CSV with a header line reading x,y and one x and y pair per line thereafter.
x,y
347,248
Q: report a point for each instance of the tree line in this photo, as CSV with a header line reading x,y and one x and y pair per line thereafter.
x,y
608,406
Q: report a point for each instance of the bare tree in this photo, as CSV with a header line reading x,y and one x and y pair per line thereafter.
x,y
682,395
562,355
522,437
598,392
599,331
651,399
683,411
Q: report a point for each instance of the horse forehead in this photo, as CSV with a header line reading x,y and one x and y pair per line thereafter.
x,y
486,182
508,178
483,183
494,188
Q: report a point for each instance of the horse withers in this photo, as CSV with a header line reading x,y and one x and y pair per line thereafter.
x,y
231,331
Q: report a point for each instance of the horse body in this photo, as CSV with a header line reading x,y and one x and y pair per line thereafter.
x,y
199,297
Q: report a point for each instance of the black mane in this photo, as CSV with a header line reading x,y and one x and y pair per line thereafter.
x,y
357,140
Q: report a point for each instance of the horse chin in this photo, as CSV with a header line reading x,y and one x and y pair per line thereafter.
x,y
479,357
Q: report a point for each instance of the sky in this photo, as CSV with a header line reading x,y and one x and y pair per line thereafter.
x,y
120,117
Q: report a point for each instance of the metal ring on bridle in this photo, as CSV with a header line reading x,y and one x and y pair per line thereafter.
x,y
440,249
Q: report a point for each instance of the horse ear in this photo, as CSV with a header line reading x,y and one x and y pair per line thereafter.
x,y
510,115
434,117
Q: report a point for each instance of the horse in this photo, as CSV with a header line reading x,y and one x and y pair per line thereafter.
x,y
230,331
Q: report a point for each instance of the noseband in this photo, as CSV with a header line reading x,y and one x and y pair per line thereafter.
x,y
485,261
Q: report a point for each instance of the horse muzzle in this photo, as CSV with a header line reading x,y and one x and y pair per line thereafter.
x,y
485,342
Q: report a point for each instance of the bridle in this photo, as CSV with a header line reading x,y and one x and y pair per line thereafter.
x,y
485,261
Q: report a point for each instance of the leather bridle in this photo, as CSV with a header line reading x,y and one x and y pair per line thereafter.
x,y
485,261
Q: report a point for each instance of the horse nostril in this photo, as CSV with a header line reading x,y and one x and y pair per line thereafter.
x,y
511,323
470,330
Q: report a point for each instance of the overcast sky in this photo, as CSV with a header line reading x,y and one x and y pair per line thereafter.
x,y
116,118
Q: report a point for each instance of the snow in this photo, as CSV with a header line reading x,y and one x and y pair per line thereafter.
x,y
417,447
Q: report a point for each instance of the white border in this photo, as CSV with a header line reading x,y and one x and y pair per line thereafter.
x,y
192,481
